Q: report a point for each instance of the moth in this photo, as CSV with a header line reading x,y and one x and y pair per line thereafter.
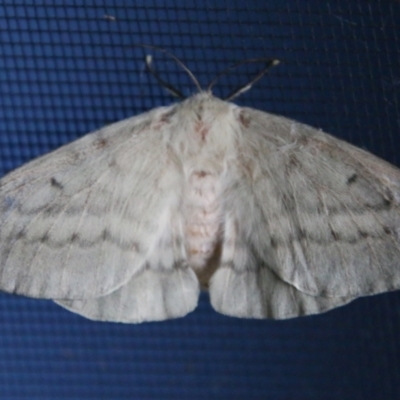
x,y
274,218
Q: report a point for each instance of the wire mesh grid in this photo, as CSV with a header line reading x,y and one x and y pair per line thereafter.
x,y
67,68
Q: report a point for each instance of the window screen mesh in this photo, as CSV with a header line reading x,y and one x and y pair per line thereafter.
x,y
70,67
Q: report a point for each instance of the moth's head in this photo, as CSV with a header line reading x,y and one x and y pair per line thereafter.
x,y
268,63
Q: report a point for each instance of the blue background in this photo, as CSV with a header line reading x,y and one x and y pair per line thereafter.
x,y
67,69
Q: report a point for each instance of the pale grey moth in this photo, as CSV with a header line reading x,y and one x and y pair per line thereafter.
x,y
275,218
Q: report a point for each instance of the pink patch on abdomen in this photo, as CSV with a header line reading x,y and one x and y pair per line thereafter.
x,y
202,222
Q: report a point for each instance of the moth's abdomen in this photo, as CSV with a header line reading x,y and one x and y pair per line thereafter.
x,y
202,224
